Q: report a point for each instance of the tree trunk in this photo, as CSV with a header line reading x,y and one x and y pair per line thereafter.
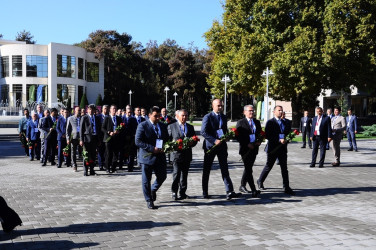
x,y
296,106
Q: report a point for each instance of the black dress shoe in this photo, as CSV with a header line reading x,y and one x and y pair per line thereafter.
x,y
289,191
243,189
302,147
335,164
312,165
260,185
101,168
183,197
150,205
130,169
231,195
321,166
310,147
58,166
53,163
256,193
85,173
44,164
154,195
206,195
356,150
174,196
350,149
92,173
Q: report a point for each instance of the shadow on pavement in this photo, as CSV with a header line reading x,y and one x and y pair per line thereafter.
x,y
53,244
90,228
332,191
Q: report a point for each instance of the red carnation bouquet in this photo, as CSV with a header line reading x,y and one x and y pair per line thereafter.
x,y
67,148
118,128
226,137
53,127
23,140
289,138
260,138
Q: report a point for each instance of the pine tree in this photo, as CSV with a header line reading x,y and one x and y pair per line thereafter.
x,y
84,101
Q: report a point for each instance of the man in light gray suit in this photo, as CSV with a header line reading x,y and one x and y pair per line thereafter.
x,y
42,134
73,135
338,124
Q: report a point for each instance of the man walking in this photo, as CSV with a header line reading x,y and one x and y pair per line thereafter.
x,y
214,126
338,124
249,131
181,160
150,137
276,131
61,129
321,134
22,126
352,130
305,129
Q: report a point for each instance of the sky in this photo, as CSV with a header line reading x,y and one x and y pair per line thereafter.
x,y
71,21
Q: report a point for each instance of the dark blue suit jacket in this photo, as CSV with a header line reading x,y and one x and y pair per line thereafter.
x,y
353,126
146,139
210,125
30,131
325,127
272,131
61,127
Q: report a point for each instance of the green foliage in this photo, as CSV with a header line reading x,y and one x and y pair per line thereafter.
x,y
25,36
310,45
369,130
98,102
84,101
170,108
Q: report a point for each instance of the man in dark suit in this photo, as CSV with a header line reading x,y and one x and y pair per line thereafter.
x,y
32,136
214,126
102,145
249,130
50,139
321,134
61,129
329,113
276,130
139,119
150,136
90,128
109,126
181,159
128,145
166,118
305,129
352,130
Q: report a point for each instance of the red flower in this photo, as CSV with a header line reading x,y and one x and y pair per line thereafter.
x,y
195,138
180,141
167,120
235,131
180,147
296,132
91,161
31,147
122,124
87,163
262,133
36,144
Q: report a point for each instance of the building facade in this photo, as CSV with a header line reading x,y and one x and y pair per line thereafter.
x,y
50,73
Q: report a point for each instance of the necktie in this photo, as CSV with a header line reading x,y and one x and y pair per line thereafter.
x,y
93,124
182,128
281,127
317,124
251,124
114,120
220,121
156,130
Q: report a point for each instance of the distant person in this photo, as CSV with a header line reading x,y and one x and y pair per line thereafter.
x,y
338,124
50,139
321,134
102,146
144,113
33,137
8,217
40,111
352,130
61,129
329,113
305,129
73,135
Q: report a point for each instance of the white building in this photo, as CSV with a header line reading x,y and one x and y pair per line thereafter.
x,y
50,73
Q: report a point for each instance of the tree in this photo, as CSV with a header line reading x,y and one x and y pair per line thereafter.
x,y
98,102
69,102
170,108
84,101
25,36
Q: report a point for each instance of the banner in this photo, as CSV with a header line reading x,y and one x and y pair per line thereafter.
x,y
40,93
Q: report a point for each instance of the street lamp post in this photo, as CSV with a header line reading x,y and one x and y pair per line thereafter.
x,y
266,74
166,89
175,95
130,97
225,80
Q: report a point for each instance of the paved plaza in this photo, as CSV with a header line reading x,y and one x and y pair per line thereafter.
x,y
334,207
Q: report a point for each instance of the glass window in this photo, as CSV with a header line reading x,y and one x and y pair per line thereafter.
x,y
92,72
4,93
4,66
80,68
66,66
37,66
16,65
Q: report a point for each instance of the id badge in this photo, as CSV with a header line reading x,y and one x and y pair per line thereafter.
x,y
36,130
281,136
159,143
219,133
252,137
305,124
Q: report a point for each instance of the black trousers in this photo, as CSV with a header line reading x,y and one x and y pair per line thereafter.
x,y
270,160
222,154
61,145
49,149
247,176
180,176
91,148
317,141
112,153
305,135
